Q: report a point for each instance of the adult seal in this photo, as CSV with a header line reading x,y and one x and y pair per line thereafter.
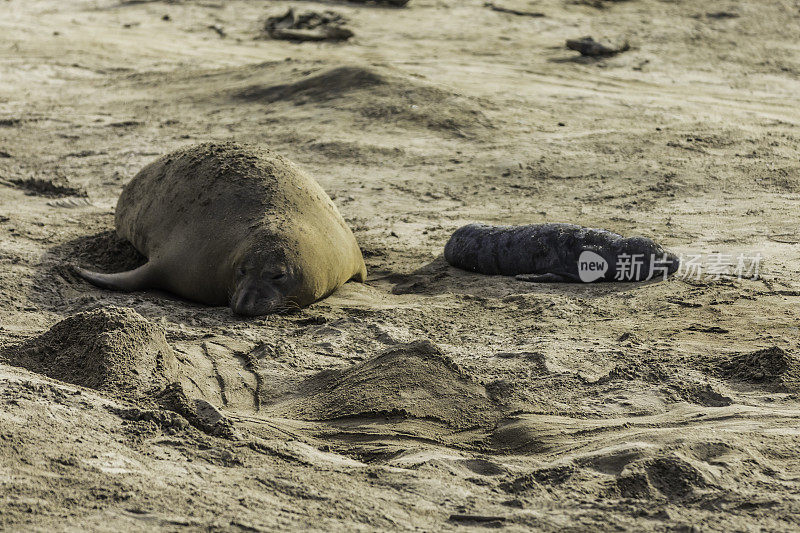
x,y
557,253
226,224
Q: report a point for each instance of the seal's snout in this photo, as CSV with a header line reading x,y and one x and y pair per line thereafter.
x,y
673,263
250,301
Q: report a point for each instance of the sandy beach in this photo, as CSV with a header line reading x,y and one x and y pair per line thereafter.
x,y
427,398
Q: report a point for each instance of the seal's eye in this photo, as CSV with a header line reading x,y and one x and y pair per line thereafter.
x,y
241,271
278,276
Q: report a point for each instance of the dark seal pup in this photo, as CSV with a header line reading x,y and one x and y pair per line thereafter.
x,y
557,252
225,224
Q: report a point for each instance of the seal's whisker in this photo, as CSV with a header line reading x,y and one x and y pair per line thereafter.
x,y
288,306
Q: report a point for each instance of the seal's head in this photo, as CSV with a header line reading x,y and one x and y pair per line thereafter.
x,y
267,277
264,287
640,258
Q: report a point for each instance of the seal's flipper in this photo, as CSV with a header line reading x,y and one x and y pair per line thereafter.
x,y
361,276
542,278
132,280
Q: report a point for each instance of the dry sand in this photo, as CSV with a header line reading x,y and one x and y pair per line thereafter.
x,y
427,398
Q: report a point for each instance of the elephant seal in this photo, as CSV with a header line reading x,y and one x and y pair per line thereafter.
x,y
226,224
557,252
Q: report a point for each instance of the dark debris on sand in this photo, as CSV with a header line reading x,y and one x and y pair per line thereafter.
x,y
599,4
395,3
55,185
308,26
502,9
588,47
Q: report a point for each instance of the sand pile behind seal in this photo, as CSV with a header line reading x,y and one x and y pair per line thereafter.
x,y
413,380
105,250
376,95
111,349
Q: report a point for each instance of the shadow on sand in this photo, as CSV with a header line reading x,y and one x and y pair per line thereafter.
x,y
438,277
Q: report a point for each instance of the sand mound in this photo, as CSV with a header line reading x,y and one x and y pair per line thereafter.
x,y
111,349
318,87
414,380
374,95
771,366
534,481
670,476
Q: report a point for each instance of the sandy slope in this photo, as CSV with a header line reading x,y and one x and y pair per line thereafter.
x,y
426,396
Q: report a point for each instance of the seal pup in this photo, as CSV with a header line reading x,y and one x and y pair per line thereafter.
x,y
226,224
557,253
